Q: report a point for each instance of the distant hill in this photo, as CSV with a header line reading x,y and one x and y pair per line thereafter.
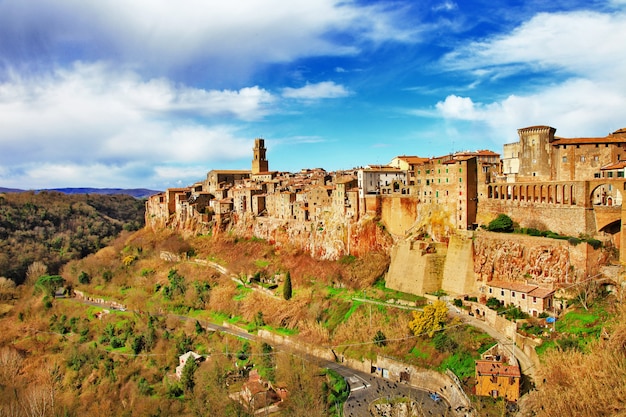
x,y
134,192
54,228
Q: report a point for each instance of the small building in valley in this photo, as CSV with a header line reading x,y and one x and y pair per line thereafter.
x,y
498,374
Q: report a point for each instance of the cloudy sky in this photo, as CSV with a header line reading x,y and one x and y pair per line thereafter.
x,y
155,93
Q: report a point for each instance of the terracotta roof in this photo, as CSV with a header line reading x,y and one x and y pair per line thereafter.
x,y
412,159
484,367
616,165
513,286
541,292
587,141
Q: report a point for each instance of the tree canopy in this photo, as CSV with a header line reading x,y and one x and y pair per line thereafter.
x,y
430,320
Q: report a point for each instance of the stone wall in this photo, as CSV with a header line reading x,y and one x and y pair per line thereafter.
x,y
458,272
398,213
416,267
565,220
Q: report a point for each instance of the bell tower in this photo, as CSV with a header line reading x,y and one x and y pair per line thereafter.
x,y
259,161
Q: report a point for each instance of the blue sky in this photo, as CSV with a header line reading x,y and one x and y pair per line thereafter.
x,y
155,93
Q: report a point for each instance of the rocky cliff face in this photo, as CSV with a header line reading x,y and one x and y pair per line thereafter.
x,y
329,239
508,257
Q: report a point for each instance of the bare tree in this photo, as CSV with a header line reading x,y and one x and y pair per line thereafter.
x,y
35,270
587,292
10,364
38,401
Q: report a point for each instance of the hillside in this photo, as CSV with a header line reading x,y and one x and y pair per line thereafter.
x,y
134,192
53,228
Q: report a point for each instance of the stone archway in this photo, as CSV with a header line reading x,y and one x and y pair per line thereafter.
x,y
606,195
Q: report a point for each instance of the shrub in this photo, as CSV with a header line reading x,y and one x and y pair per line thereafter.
x,y
380,339
595,243
493,303
502,223
84,278
573,241
458,302
444,343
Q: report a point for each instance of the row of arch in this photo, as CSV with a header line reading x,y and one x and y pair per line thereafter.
x,y
563,194
603,194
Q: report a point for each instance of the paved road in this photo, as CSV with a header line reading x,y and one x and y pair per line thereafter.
x,y
527,366
375,387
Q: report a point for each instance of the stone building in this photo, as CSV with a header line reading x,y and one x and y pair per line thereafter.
x,y
541,156
498,374
530,299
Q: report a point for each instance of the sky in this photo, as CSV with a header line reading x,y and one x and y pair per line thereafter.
x,y
155,93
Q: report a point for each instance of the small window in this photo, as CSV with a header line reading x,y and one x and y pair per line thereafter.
x,y
490,290
577,146
513,294
565,159
523,296
460,179
502,293
535,300
582,159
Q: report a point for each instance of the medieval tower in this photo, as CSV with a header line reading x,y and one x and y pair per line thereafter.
x,y
536,153
259,161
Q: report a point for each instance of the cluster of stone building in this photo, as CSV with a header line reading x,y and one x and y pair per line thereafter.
x,y
539,169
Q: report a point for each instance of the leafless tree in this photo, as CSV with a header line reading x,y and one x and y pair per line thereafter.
x,y
10,364
35,270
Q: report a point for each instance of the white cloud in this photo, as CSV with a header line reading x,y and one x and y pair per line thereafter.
x,y
93,116
217,35
576,108
581,54
322,90
583,43
447,6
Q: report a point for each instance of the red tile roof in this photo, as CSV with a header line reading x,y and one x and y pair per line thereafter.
x,y
484,367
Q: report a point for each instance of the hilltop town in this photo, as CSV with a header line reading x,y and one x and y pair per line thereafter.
x,y
424,212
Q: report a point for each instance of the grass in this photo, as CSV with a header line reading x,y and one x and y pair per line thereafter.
x,y
418,353
579,325
261,263
389,294
243,293
583,323
282,331
461,363
218,317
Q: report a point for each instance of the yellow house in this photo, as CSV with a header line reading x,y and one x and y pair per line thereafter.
x,y
498,379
